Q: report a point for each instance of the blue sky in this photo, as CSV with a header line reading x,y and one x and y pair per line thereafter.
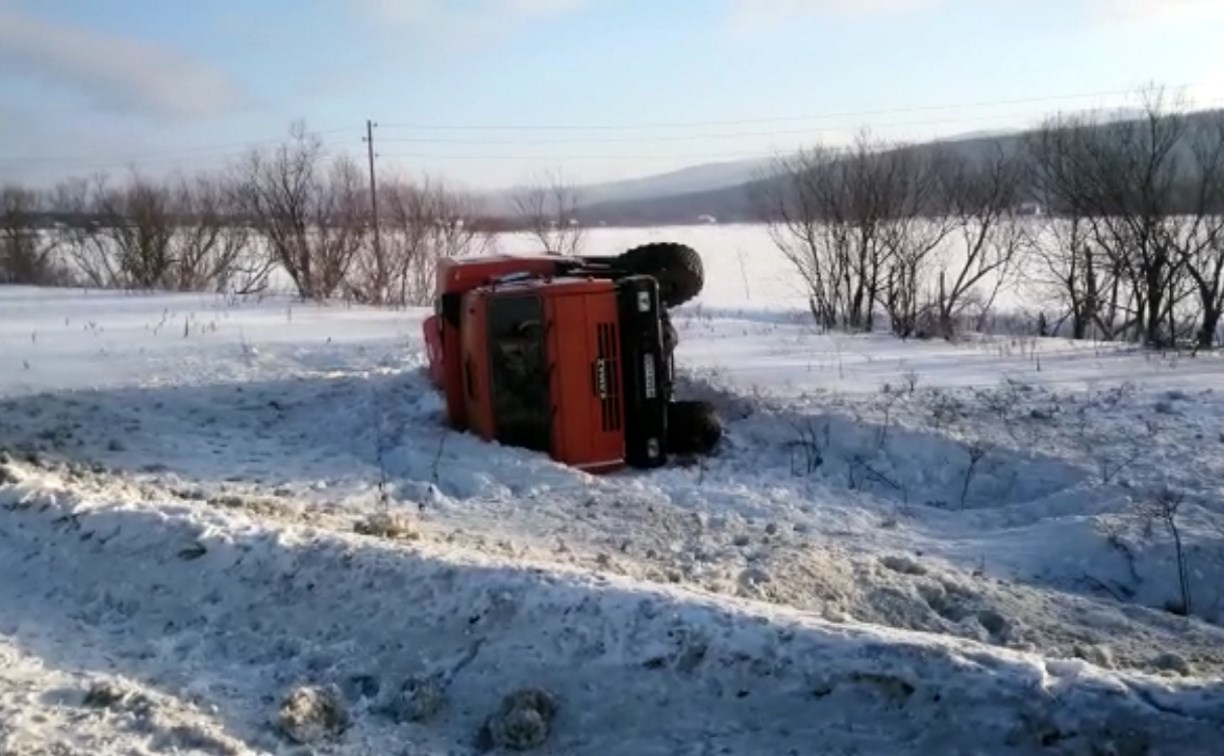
x,y
477,90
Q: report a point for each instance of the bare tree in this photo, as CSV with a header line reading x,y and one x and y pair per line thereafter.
x,y
1068,258
1066,264
91,255
547,208
455,231
340,223
184,236
118,236
1128,177
821,229
27,254
856,225
211,248
868,192
1136,177
790,198
981,197
138,220
912,235
310,212
1196,232
421,224
1150,193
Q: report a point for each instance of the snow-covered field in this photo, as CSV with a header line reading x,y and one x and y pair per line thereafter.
x,y
899,548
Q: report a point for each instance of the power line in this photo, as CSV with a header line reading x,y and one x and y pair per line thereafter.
x,y
679,156
232,148
750,121
224,150
562,158
679,138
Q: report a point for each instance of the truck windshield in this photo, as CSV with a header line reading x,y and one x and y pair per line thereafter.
x,y
521,412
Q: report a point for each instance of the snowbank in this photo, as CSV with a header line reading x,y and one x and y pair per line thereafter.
x,y
221,613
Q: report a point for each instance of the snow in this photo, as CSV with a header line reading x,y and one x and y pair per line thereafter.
x,y
209,615
916,547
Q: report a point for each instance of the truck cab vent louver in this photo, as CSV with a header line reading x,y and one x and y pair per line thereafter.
x,y
605,376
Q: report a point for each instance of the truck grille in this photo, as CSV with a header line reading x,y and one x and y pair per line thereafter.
x,y
605,376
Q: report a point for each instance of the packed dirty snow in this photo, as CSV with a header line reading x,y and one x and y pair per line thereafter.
x,y
236,526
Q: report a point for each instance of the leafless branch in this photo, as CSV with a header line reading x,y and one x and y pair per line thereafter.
x,y
311,212
547,208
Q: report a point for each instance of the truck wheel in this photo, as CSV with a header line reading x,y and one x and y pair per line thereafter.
x,y
692,428
676,267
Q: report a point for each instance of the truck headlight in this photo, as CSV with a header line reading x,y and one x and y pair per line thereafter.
x,y
643,301
652,448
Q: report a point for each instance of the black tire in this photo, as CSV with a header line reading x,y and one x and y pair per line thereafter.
x,y
692,428
676,267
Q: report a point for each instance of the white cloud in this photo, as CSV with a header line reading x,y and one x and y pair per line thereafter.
x,y
793,6
113,71
544,7
445,11
459,27
402,11
1158,10
773,11
763,12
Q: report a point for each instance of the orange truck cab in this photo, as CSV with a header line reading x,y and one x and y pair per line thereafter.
x,y
557,357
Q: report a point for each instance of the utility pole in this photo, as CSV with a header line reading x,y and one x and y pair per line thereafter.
x,y
369,140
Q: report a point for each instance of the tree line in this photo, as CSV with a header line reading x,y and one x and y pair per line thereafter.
x,y
920,239
292,208
1129,243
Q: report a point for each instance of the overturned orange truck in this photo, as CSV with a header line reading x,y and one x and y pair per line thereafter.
x,y
570,356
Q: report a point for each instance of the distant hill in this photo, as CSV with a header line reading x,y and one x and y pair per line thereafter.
x,y
694,179
723,191
733,203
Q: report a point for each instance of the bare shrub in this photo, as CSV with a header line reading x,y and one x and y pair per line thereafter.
x,y
977,452
857,227
1163,509
808,450
309,210
912,236
89,255
139,234
421,225
1071,262
1197,232
211,250
988,239
27,253
824,221
120,235
1150,193
546,207
1157,516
